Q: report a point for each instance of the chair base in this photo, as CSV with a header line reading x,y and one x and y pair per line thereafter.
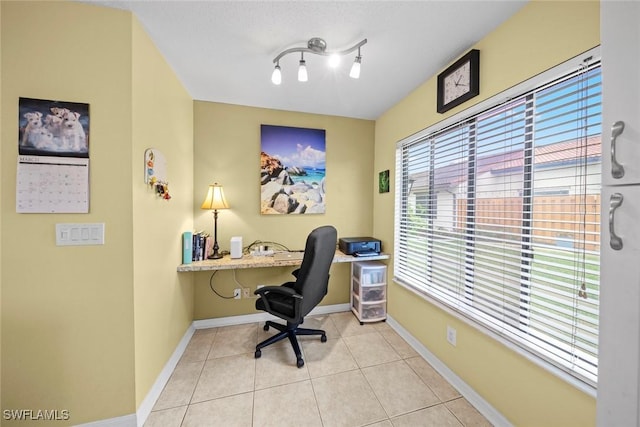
x,y
291,331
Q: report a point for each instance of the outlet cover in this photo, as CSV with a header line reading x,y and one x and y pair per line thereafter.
x,y
451,335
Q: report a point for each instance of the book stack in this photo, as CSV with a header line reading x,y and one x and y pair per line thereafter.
x,y
196,246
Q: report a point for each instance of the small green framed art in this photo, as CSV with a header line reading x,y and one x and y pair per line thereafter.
x,y
383,181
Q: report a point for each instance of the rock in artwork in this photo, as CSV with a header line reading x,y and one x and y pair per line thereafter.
x,y
292,170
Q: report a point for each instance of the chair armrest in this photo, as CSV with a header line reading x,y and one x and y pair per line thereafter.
x,y
282,290
296,272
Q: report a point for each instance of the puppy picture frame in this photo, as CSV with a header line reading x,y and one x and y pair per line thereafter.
x,y
53,128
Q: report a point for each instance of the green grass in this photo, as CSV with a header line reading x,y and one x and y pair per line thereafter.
x,y
547,266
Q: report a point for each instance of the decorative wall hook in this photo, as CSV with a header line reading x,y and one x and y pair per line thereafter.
x,y
155,172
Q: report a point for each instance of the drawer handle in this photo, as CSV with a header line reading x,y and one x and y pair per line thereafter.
x,y
617,170
614,203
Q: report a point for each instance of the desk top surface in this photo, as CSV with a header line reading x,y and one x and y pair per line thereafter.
x,y
249,261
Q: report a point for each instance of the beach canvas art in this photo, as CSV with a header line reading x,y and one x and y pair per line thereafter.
x,y
292,170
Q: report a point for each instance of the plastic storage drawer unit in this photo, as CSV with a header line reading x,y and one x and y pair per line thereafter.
x,y
369,291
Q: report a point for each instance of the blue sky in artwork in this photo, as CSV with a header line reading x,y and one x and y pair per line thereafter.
x,y
294,146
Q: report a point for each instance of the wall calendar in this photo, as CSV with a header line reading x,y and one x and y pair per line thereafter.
x,y
52,185
53,157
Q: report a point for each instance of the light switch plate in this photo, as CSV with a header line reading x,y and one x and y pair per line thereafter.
x,y
79,234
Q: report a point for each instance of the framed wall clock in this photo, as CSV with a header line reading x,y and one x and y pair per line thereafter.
x,y
459,82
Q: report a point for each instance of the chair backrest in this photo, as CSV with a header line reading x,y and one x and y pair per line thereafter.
x,y
313,278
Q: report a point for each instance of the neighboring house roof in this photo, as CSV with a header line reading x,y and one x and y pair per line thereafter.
x,y
558,154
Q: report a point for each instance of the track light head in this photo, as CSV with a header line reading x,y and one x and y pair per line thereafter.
x,y
276,77
334,60
355,68
302,70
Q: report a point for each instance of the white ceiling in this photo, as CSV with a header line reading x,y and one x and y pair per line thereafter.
x,y
223,51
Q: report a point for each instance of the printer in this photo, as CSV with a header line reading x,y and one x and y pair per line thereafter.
x,y
359,246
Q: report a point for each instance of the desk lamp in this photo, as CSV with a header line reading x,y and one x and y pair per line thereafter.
x,y
215,200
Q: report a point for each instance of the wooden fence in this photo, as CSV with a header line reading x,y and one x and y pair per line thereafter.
x,y
557,220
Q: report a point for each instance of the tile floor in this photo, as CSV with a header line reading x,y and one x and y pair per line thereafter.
x,y
364,375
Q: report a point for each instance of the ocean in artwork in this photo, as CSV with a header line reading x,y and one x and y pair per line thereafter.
x,y
311,176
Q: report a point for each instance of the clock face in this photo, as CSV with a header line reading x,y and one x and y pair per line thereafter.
x,y
457,83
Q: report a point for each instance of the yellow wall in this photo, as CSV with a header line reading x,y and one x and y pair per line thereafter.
x,y
227,150
540,36
82,329
163,300
1,114
68,311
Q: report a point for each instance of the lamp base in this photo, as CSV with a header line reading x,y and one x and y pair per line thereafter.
x,y
215,256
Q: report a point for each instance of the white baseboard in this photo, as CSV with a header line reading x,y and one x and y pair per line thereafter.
x,y
262,317
489,412
147,404
124,421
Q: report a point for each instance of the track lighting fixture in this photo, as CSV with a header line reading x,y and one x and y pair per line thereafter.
x,y
317,46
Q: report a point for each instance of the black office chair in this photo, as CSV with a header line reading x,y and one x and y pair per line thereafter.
x,y
294,300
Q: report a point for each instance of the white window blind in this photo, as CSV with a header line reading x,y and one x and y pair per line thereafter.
x,y
498,215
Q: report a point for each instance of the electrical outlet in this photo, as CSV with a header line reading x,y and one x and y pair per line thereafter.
x,y
246,293
236,293
451,335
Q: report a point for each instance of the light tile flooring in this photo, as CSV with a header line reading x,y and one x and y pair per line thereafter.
x,y
364,375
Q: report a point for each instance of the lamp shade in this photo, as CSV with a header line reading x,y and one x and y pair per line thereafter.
x,y
355,68
215,198
276,77
302,71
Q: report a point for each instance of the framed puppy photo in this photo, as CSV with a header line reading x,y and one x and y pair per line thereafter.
x,y
53,128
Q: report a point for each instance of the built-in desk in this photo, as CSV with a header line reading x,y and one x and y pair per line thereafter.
x,y
249,261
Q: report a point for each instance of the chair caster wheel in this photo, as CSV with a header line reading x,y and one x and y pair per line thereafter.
x,y
323,338
258,354
300,363
265,327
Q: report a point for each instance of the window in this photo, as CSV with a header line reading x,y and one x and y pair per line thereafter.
x,y
498,216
